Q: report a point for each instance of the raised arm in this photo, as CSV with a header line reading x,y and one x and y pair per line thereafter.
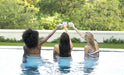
x,y
66,29
80,33
46,38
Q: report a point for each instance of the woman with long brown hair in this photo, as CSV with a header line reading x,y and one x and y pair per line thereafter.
x,y
65,45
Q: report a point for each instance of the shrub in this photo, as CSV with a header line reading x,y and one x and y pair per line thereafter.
x,y
20,40
41,38
113,40
75,40
105,41
120,41
2,39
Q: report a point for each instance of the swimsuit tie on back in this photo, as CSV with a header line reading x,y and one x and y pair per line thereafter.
x,y
92,53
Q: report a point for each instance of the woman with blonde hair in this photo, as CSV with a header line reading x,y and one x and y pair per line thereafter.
x,y
92,49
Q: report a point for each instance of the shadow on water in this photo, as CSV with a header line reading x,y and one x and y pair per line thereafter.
x,y
89,64
30,71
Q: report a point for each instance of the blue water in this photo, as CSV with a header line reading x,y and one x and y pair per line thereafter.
x,y
109,63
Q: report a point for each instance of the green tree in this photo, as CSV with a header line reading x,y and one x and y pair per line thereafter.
x,y
100,15
13,15
47,14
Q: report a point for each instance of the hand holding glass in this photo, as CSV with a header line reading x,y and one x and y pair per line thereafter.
x,y
71,24
64,23
61,25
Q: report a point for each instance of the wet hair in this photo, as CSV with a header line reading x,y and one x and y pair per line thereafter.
x,y
90,39
64,45
30,38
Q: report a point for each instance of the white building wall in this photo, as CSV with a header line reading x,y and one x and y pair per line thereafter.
x,y
99,35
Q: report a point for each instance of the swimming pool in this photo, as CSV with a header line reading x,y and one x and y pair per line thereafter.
x,y
109,63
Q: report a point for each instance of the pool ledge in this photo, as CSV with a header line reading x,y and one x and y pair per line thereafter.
x,y
74,49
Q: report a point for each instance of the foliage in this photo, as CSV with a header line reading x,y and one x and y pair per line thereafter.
x,y
47,14
113,40
87,15
50,22
75,40
64,7
13,15
2,39
100,15
41,38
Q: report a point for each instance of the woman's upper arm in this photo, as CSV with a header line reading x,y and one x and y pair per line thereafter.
x,y
25,49
82,36
43,40
97,47
56,49
86,51
71,45
80,33
46,38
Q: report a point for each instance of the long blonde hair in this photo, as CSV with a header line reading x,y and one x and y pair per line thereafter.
x,y
90,39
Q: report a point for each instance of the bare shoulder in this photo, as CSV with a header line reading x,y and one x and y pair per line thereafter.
x,y
56,49
86,47
56,46
96,44
25,48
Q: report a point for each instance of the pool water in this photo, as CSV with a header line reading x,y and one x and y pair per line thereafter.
x,y
109,63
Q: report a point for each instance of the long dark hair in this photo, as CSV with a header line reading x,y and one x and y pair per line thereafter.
x,y
30,38
64,45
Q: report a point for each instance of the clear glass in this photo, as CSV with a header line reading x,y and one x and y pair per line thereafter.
x,y
64,23
70,24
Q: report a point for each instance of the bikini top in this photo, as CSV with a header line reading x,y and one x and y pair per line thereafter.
x,y
93,53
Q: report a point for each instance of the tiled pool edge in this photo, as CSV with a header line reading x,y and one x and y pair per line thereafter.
x,y
74,49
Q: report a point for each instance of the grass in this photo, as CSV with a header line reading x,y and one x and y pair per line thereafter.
x,y
101,45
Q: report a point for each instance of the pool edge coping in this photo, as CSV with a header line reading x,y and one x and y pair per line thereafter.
x,y
51,48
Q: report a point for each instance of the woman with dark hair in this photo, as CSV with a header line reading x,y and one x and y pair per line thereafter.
x,y
65,45
32,48
32,43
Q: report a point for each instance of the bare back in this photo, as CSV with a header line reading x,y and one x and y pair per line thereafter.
x,y
88,50
33,51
